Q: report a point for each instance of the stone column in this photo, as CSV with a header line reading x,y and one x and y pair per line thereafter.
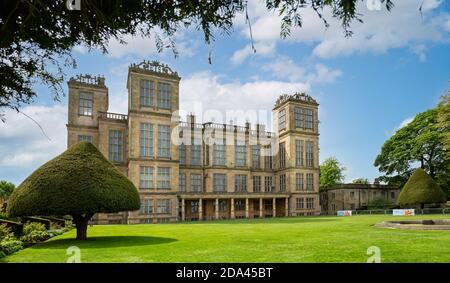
x,y
274,207
261,215
247,215
200,209
232,209
183,210
286,207
217,208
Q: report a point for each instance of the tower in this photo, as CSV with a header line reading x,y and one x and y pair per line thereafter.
x,y
297,160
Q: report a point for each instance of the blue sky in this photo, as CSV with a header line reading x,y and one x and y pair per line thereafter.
x,y
393,67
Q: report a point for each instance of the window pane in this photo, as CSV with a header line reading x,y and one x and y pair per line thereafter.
x,y
240,154
115,146
163,141
147,93
146,139
164,95
86,101
146,177
163,178
85,138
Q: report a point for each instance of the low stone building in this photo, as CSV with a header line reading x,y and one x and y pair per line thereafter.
x,y
355,196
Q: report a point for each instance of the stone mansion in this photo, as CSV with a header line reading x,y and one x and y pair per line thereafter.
x,y
217,171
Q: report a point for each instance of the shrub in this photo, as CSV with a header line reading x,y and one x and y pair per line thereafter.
x,y
34,232
10,245
4,231
16,227
2,254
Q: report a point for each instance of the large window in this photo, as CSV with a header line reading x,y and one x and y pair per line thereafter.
x,y
196,154
146,139
256,156
282,183
196,182
146,206
115,146
219,182
223,206
85,138
182,182
194,206
299,153
240,153
219,154
267,157
163,141
304,118
146,177
309,153
299,182
239,205
163,178
256,183
282,119
163,206
299,203
267,183
282,155
240,183
182,153
164,95
86,102
310,182
147,94
309,203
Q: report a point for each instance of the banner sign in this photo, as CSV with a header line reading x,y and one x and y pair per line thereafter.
x,y
344,213
401,212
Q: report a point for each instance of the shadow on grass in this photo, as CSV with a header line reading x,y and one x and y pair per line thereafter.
x,y
95,242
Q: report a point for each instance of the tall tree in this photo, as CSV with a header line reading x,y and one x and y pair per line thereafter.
x,y
36,37
6,189
364,181
418,144
331,172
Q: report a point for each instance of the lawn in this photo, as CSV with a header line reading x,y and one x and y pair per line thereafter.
x,y
301,239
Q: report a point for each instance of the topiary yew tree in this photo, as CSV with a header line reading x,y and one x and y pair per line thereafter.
x,y
80,182
421,189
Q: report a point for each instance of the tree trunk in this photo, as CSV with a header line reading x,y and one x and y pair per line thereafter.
x,y
81,223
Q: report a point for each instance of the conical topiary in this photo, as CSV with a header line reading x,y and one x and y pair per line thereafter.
x,y
80,182
421,189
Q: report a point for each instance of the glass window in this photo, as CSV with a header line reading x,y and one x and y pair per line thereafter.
x,y
115,146
309,153
182,182
267,183
163,141
222,206
240,183
85,138
164,95
298,116
239,205
219,182
86,102
196,154
147,94
194,206
299,203
256,156
146,140
163,178
304,118
146,206
267,157
309,203
146,177
299,153
299,186
282,182
282,119
219,154
240,153
310,182
163,206
309,119
182,151
282,155
196,182
256,183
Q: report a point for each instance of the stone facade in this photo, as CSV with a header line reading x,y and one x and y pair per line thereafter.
x,y
355,196
264,174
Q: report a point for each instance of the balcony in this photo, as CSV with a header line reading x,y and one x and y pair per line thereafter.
x,y
113,116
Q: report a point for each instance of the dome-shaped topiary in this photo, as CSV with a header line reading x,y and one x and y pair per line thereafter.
x,y
421,189
79,182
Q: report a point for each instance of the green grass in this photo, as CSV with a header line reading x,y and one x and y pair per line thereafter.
x,y
302,239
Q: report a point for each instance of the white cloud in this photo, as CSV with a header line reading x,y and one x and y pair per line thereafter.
x,y
24,144
405,122
323,74
264,49
420,51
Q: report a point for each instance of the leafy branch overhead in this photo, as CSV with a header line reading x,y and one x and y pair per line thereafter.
x,y
36,37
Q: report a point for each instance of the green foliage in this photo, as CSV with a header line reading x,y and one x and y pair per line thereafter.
x,y
6,189
380,203
77,182
419,142
10,245
364,181
331,172
4,231
421,189
2,254
443,118
38,36
34,232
